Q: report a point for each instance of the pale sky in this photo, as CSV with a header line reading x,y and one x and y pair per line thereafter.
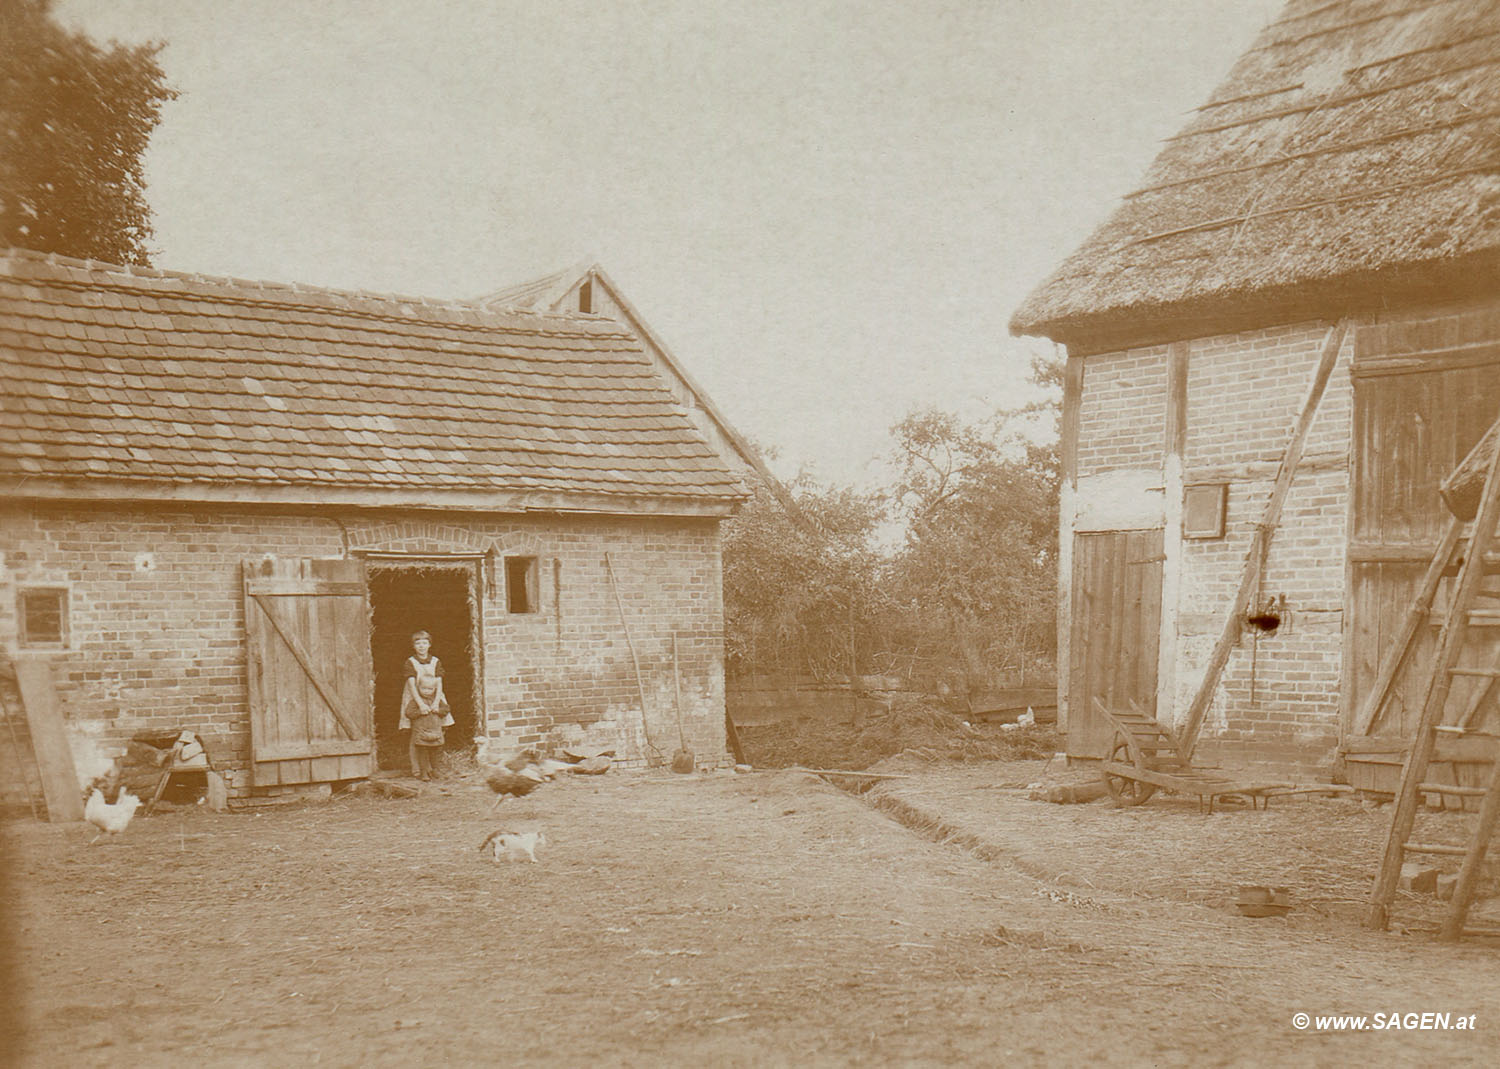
x,y
828,209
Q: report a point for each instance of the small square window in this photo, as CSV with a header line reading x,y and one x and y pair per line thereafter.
x,y
521,585
1203,508
43,615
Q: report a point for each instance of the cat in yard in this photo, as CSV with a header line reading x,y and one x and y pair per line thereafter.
x,y
513,845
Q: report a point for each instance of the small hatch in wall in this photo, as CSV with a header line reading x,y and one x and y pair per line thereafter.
x,y
42,617
1203,507
521,593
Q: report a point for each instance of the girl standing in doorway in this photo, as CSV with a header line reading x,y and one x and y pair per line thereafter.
x,y
424,708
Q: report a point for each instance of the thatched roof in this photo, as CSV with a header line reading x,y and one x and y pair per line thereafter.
x,y
1355,146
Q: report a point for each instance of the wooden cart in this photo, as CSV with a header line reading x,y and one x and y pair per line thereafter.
x,y
1146,757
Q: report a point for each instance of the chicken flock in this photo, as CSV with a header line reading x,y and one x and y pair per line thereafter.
x,y
512,776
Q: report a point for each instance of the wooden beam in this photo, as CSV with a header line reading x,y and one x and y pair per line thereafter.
x,y
1260,541
844,772
1072,401
1255,470
321,499
1071,413
1173,482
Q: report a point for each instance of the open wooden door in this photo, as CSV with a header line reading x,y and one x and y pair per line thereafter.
x,y
1116,632
308,641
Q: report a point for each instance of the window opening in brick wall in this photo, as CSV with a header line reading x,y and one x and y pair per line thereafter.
x,y
43,613
1203,508
521,594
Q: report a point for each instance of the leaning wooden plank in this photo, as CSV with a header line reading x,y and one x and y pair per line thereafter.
x,y
1400,650
1260,542
844,772
60,785
1461,490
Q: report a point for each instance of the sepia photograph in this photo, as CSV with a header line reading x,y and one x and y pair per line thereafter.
x,y
688,533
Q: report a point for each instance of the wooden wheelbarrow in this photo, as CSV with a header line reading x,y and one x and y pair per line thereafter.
x,y
1145,757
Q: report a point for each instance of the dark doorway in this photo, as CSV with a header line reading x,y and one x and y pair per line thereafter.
x,y
440,598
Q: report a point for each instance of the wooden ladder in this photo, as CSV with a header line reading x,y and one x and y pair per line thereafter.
x,y
1474,562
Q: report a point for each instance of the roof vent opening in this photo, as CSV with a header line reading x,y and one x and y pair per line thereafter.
x,y
586,296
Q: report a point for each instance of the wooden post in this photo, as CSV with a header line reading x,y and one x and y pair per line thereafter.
x,y
640,682
1067,503
1173,462
1260,541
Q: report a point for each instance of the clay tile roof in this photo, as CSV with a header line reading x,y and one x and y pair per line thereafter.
x,y
1356,139
123,374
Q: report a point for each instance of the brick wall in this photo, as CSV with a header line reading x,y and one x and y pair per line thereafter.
x,y
157,624
1244,392
1123,411
1281,691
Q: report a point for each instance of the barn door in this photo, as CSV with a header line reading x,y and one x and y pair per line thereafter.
x,y
1116,631
1411,428
307,636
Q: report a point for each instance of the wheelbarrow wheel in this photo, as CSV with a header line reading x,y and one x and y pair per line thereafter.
x,y
1123,789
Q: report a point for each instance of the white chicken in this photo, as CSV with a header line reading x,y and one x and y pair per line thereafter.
x,y
110,819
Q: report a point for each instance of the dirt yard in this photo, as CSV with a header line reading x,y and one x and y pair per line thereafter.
x,y
720,919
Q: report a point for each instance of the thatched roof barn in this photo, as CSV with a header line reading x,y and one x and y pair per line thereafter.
x,y
1306,282
1351,155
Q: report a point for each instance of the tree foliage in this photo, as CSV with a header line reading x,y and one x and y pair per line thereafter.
x,y
75,120
965,601
803,598
978,566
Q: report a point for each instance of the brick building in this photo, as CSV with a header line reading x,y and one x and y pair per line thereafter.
x,y
1336,200
228,504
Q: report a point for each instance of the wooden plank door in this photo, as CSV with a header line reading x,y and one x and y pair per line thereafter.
x,y
1410,431
307,633
1116,631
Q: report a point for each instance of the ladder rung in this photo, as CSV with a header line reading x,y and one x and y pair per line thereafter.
x,y
1480,618
1450,788
1434,848
1469,733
